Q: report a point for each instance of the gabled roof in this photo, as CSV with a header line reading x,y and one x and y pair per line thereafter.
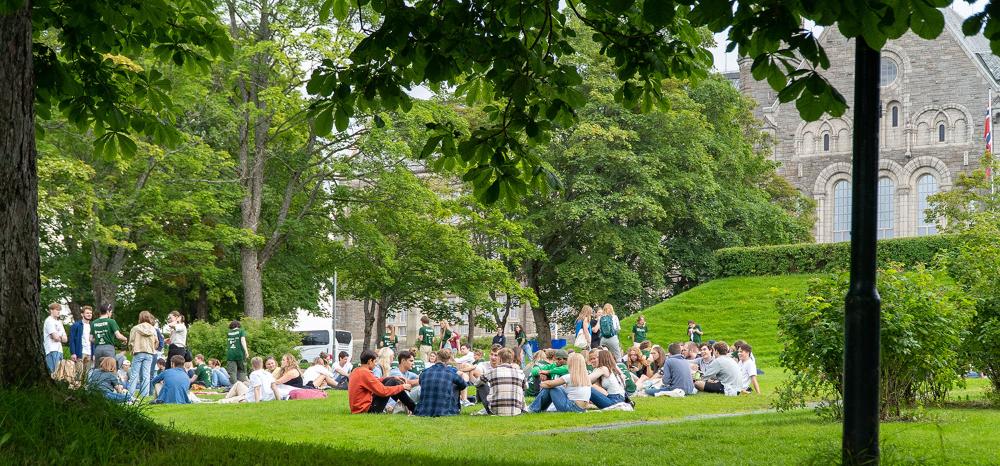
x,y
977,46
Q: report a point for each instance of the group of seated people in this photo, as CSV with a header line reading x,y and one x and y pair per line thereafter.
x,y
687,368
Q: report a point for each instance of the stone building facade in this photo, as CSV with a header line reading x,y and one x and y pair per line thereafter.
x,y
934,97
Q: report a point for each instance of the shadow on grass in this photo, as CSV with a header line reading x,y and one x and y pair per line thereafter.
x,y
55,425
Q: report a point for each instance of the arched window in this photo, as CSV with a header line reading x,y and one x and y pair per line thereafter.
x,y
941,132
895,116
841,211
826,142
926,185
885,208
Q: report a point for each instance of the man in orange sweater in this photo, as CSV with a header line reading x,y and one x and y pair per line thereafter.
x,y
367,394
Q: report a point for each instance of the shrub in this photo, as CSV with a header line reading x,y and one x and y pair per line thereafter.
x,y
924,320
974,263
265,337
823,257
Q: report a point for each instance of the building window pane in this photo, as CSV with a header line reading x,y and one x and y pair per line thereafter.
x,y
941,133
885,208
401,331
895,116
841,211
888,72
926,185
826,142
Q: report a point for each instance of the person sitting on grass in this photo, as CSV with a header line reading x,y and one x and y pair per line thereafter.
x,y
271,364
722,374
482,384
383,363
635,361
289,376
701,364
505,382
440,387
175,383
202,374
464,356
569,393
748,368
404,372
367,394
106,381
318,375
220,377
654,365
342,370
677,377
608,391
262,387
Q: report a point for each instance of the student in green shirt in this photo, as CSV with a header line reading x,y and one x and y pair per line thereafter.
x,y
389,338
202,374
426,335
694,332
639,331
445,335
103,332
236,352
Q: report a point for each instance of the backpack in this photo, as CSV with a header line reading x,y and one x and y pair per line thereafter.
x,y
607,327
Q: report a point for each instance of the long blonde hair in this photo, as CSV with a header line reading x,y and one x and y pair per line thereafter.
x,y
585,313
384,360
609,309
287,362
578,376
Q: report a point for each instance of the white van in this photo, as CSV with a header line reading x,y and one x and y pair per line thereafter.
x,y
316,331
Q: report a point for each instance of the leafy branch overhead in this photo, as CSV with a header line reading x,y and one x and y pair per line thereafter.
x,y
513,58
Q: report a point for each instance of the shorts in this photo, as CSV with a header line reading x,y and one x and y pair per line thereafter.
x,y
714,387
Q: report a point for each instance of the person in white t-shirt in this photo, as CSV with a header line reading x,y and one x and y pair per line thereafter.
x,y
177,336
262,384
318,375
342,370
53,338
748,368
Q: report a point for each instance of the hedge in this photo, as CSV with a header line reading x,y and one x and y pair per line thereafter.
x,y
822,257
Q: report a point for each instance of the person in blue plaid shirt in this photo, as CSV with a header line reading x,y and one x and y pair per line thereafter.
x,y
440,386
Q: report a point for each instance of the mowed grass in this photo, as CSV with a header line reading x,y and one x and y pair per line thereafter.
x,y
727,309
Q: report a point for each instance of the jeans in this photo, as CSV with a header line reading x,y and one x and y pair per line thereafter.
x,y
483,394
556,396
220,378
237,370
120,397
103,351
613,345
526,352
52,359
603,401
138,376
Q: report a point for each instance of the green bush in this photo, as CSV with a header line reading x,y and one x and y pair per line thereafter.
x,y
265,337
823,257
924,321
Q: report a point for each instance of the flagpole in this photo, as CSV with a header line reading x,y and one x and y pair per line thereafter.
x,y
989,143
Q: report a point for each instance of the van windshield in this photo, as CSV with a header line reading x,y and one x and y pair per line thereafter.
x,y
315,337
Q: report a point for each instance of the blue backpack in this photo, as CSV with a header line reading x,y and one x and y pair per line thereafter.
x,y
607,327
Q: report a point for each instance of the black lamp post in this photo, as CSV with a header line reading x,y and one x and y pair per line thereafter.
x,y
863,305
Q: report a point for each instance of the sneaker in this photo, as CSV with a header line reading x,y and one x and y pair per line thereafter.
x,y
619,407
481,412
467,403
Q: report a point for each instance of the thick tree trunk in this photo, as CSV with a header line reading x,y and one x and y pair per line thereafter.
x,y
538,312
253,284
380,319
369,316
21,361
201,306
472,326
74,310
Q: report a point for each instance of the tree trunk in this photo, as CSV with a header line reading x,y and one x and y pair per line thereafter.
x,y
472,326
74,310
380,319
201,306
506,315
20,314
253,284
369,316
538,312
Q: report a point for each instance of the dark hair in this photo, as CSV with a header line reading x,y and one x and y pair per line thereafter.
x,y
234,324
674,349
367,355
177,361
404,355
161,362
722,347
106,308
745,346
496,348
342,354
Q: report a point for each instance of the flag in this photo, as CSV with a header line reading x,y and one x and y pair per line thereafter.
x,y
988,132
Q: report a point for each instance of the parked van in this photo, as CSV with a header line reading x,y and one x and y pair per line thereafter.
x,y
316,331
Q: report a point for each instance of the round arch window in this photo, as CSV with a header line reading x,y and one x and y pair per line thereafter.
x,y
888,72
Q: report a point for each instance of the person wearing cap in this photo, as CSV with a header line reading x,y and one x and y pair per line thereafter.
x,y
104,331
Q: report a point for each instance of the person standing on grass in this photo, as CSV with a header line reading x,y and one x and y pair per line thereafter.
x,y
677,377
142,341
610,328
521,338
595,329
176,383
262,387
177,338
694,332
236,352
440,386
639,331
367,394
389,339
426,334
500,338
748,368
725,371
104,331
80,343
581,327
54,337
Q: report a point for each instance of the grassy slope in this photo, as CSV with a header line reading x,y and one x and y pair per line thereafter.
x,y
727,309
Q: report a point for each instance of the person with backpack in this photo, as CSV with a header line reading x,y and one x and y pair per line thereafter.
x,y
610,326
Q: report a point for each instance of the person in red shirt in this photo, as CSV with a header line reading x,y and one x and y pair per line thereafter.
x,y
367,394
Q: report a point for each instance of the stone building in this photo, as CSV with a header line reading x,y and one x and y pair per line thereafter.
x,y
934,98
